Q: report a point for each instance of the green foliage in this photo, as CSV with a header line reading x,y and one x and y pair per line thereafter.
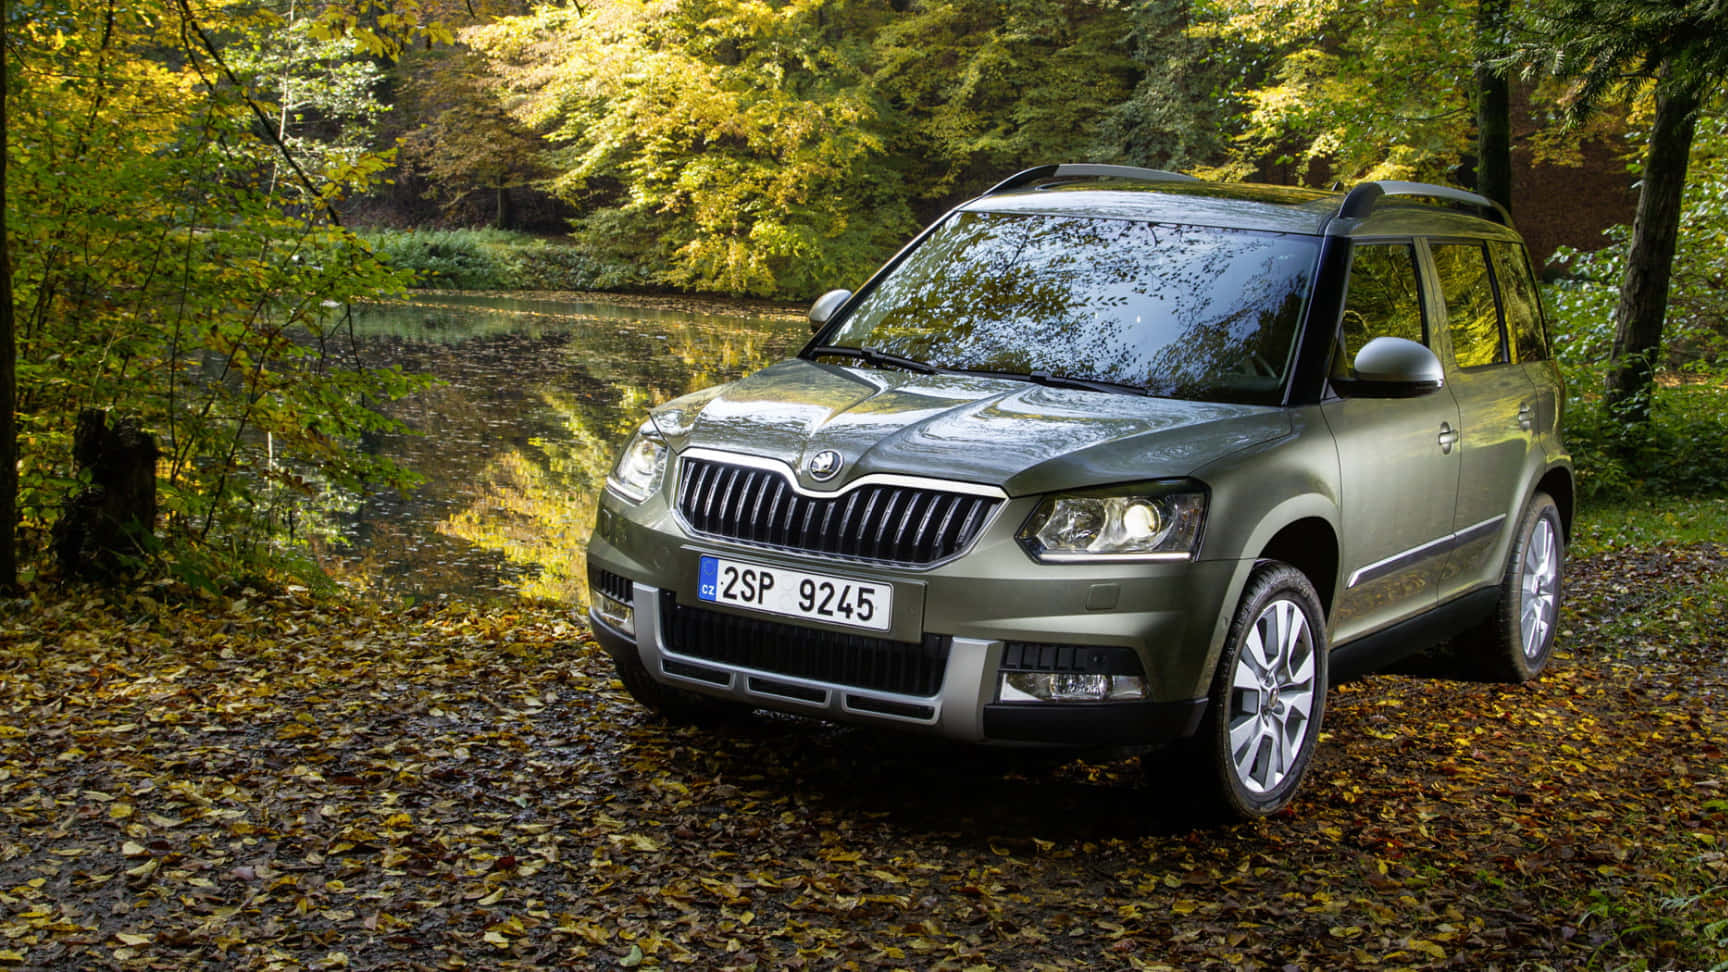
x,y
1696,332
466,143
164,270
321,95
485,259
781,149
982,88
1681,453
1187,103
1377,90
1606,45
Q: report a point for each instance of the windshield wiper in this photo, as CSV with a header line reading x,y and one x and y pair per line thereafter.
x,y
1068,381
875,357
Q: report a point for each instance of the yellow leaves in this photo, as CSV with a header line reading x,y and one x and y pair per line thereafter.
x,y
636,842
1345,931
145,869
134,940
1427,948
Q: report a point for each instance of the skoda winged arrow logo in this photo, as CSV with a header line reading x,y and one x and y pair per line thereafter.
x,y
825,465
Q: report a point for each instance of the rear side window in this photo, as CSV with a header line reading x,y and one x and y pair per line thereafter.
x,y
1518,297
1383,301
1472,318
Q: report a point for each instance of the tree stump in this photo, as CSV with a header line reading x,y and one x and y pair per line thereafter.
x,y
109,526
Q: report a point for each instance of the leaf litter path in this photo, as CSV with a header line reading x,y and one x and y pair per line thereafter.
x,y
277,782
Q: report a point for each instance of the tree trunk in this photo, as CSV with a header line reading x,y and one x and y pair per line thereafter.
x,y
506,208
1643,304
1493,108
8,364
108,528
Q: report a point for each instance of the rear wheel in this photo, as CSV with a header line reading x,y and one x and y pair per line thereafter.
x,y
1267,700
1516,644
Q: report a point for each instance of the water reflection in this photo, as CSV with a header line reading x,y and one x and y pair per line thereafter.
x,y
536,395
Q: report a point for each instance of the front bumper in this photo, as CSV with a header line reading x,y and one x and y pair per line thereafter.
x,y
963,709
994,594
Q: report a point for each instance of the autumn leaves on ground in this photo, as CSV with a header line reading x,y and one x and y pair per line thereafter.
x,y
268,781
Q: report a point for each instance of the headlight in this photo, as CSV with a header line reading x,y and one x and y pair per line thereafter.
x,y
1146,521
637,473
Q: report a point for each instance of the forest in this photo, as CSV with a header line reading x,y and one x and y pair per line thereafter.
x,y
224,746
196,194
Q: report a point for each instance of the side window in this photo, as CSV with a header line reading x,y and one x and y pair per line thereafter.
x,y
1518,296
1472,318
1383,300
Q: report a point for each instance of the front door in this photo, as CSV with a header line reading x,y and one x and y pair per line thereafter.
x,y
1397,457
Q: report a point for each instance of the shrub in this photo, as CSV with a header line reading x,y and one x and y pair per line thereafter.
x,y
1681,453
490,259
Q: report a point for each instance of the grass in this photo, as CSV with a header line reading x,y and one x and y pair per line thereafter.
x,y
1622,524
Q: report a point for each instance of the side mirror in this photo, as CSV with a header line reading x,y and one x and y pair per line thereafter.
x,y
823,310
1393,367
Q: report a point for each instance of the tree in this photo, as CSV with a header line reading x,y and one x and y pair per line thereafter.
x,y
1493,104
8,342
981,88
159,271
1354,90
1675,52
467,140
734,147
1186,105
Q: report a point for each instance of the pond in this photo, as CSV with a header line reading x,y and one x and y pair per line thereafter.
x,y
535,395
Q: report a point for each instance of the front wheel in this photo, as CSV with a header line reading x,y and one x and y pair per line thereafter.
x,y
1267,700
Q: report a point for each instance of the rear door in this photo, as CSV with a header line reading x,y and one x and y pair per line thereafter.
x,y
1398,468
1496,409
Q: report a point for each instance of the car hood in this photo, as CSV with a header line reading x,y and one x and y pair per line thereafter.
x,y
1024,437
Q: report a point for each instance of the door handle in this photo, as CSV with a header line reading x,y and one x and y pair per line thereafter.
x,y
1526,417
1448,437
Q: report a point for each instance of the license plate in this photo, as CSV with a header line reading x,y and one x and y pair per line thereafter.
x,y
796,594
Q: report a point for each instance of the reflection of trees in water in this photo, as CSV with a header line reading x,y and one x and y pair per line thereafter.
x,y
1183,311
535,505
520,437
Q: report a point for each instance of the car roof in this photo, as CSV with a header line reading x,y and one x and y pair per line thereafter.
x,y
1237,205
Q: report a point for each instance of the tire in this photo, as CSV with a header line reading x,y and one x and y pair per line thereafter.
x,y
1267,701
1516,644
674,705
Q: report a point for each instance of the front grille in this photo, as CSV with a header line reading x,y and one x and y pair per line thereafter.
x,y
878,523
835,657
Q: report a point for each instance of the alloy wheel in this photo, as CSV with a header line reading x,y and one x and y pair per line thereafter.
x,y
1272,696
1539,589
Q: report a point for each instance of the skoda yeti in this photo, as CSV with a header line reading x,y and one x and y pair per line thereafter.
x,y
1112,456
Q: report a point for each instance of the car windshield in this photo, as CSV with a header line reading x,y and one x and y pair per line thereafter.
x,y
1178,311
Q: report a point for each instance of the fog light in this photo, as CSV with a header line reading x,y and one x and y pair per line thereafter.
x,y
616,613
1067,687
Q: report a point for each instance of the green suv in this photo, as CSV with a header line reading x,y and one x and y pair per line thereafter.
x,y
1112,456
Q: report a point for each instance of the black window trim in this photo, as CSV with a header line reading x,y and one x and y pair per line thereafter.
x,y
1343,294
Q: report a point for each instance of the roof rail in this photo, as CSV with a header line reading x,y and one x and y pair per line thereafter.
x,y
1362,199
1085,170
